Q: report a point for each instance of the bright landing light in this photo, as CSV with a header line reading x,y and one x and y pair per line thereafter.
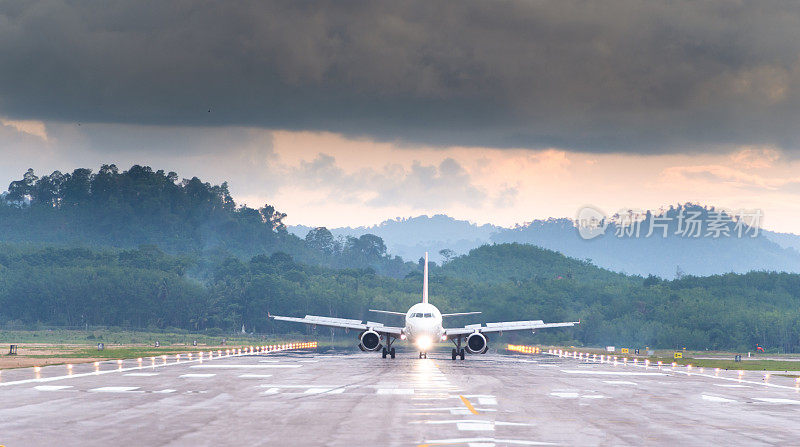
x,y
423,343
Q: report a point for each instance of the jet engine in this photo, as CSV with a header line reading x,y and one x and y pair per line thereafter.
x,y
370,341
477,343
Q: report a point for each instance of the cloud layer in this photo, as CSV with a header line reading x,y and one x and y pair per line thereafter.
x,y
619,75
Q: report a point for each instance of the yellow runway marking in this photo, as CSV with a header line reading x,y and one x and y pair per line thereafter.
x,y
468,405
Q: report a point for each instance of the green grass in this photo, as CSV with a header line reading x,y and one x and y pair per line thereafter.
x,y
127,337
666,357
749,365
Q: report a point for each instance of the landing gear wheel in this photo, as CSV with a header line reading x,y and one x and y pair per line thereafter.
x,y
461,354
455,353
420,355
383,353
391,352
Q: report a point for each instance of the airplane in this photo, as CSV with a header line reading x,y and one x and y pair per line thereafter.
x,y
423,327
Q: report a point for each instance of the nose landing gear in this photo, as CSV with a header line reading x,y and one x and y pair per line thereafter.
x,y
423,355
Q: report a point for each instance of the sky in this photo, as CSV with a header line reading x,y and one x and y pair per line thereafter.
x,y
352,112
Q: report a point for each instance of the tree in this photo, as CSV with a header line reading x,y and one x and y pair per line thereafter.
x,y
447,254
273,218
321,239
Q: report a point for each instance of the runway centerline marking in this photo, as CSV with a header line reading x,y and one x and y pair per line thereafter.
x,y
468,405
196,376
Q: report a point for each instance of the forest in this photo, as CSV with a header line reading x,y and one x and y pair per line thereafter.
x,y
142,249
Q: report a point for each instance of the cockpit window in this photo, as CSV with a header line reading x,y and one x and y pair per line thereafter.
x,y
417,315
428,316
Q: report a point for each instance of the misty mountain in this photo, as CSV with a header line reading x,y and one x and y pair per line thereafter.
x,y
409,238
666,257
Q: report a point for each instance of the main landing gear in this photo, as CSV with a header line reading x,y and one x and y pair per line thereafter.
x,y
388,350
423,355
458,351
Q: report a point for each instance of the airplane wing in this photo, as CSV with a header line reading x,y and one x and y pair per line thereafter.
x,y
459,314
342,323
505,326
388,312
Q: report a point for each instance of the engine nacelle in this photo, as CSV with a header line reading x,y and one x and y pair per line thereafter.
x,y
369,341
477,343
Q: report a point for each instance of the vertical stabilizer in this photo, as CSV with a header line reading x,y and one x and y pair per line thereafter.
x,y
425,281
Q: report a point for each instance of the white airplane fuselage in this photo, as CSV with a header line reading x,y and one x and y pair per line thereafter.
x,y
423,326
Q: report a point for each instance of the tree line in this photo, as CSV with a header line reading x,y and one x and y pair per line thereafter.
x,y
141,249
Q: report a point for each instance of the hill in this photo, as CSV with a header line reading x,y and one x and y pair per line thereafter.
x,y
653,255
125,209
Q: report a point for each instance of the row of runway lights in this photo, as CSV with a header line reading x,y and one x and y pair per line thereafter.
x,y
201,355
615,360
524,349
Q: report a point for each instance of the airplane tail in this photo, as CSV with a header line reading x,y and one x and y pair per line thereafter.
x,y
425,281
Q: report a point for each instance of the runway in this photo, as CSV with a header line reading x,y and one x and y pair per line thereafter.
x,y
360,399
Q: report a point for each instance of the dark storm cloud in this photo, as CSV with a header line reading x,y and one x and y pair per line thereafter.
x,y
594,76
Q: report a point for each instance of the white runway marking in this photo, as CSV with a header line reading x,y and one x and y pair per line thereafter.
x,y
115,389
619,382
51,387
573,395
141,374
324,390
255,376
459,411
725,385
272,391
483,442
196,376
488,400
611,373
395,391
167,391
774,400
475,426
566,395
300,386
716,398
244,366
